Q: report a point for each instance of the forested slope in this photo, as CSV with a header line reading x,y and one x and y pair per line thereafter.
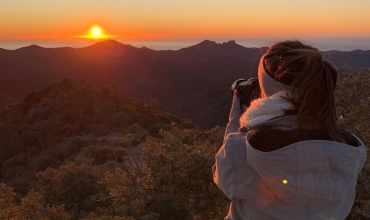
x,y
72,150
76,151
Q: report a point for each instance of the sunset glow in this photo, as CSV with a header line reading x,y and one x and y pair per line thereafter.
x,y
96,32
163,20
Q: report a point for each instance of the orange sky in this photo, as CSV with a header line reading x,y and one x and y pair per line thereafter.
x,y
45,19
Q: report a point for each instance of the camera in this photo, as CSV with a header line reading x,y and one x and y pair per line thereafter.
x,y
248,90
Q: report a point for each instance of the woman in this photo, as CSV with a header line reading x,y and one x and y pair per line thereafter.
x,y
285,157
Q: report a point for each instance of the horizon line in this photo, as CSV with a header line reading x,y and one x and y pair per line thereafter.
x,y
172,44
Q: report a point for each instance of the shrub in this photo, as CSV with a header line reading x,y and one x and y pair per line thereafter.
x,y
40,163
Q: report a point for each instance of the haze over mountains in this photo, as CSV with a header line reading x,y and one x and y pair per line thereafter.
x,y
193,82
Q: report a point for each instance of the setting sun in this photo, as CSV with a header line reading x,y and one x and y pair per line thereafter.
x,y
96,32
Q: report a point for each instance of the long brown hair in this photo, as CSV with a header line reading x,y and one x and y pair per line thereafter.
x,y
313,81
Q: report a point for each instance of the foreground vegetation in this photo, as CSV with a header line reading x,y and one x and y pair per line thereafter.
x,y
76,151
353,98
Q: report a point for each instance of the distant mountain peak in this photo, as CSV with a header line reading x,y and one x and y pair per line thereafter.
x,y
207,42
31,47
107,45
146,49
34,46
211,45
108,42
231,42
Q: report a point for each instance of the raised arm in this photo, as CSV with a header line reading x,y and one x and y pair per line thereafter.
x,y
234,116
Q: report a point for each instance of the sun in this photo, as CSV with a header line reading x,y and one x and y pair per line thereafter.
x,y
96,31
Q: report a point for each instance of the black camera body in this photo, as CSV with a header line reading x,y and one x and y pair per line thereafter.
x,y
248,90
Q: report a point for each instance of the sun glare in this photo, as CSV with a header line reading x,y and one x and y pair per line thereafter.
x,y
96,33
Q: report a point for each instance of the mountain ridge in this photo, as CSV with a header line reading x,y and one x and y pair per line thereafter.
x,y
198,75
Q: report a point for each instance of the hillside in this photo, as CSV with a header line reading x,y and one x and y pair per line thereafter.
x,y
58,120
83,150
73,150
199,75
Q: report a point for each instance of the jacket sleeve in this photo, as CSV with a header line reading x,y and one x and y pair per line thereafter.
x,y
234,116
231,172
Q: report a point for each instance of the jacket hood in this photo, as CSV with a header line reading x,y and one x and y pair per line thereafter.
x,y
308,171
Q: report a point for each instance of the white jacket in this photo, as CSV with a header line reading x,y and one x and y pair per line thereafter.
x,y
314,179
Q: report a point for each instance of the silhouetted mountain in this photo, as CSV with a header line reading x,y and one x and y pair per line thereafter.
x,y
193,82
359,59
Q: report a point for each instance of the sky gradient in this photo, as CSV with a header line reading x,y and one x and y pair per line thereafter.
x,y
179,19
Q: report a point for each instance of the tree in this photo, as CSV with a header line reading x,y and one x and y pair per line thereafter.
x,y
353,98
179,167
151,104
